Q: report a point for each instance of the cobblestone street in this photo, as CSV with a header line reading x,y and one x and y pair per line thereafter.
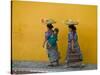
x,y
25,67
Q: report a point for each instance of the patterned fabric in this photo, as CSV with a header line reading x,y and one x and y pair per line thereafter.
x,y
53,54
73,56
53,49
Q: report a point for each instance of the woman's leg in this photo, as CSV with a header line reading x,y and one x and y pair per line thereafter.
x,y
57,63
51,64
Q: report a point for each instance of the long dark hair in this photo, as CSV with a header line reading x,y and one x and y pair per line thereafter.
x,y
72,27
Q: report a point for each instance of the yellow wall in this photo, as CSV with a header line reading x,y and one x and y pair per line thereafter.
x,y
28,32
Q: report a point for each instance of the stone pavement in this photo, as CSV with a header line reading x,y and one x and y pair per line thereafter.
x,y
24,67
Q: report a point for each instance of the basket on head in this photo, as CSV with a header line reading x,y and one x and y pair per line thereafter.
x,y
71,22
48,21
